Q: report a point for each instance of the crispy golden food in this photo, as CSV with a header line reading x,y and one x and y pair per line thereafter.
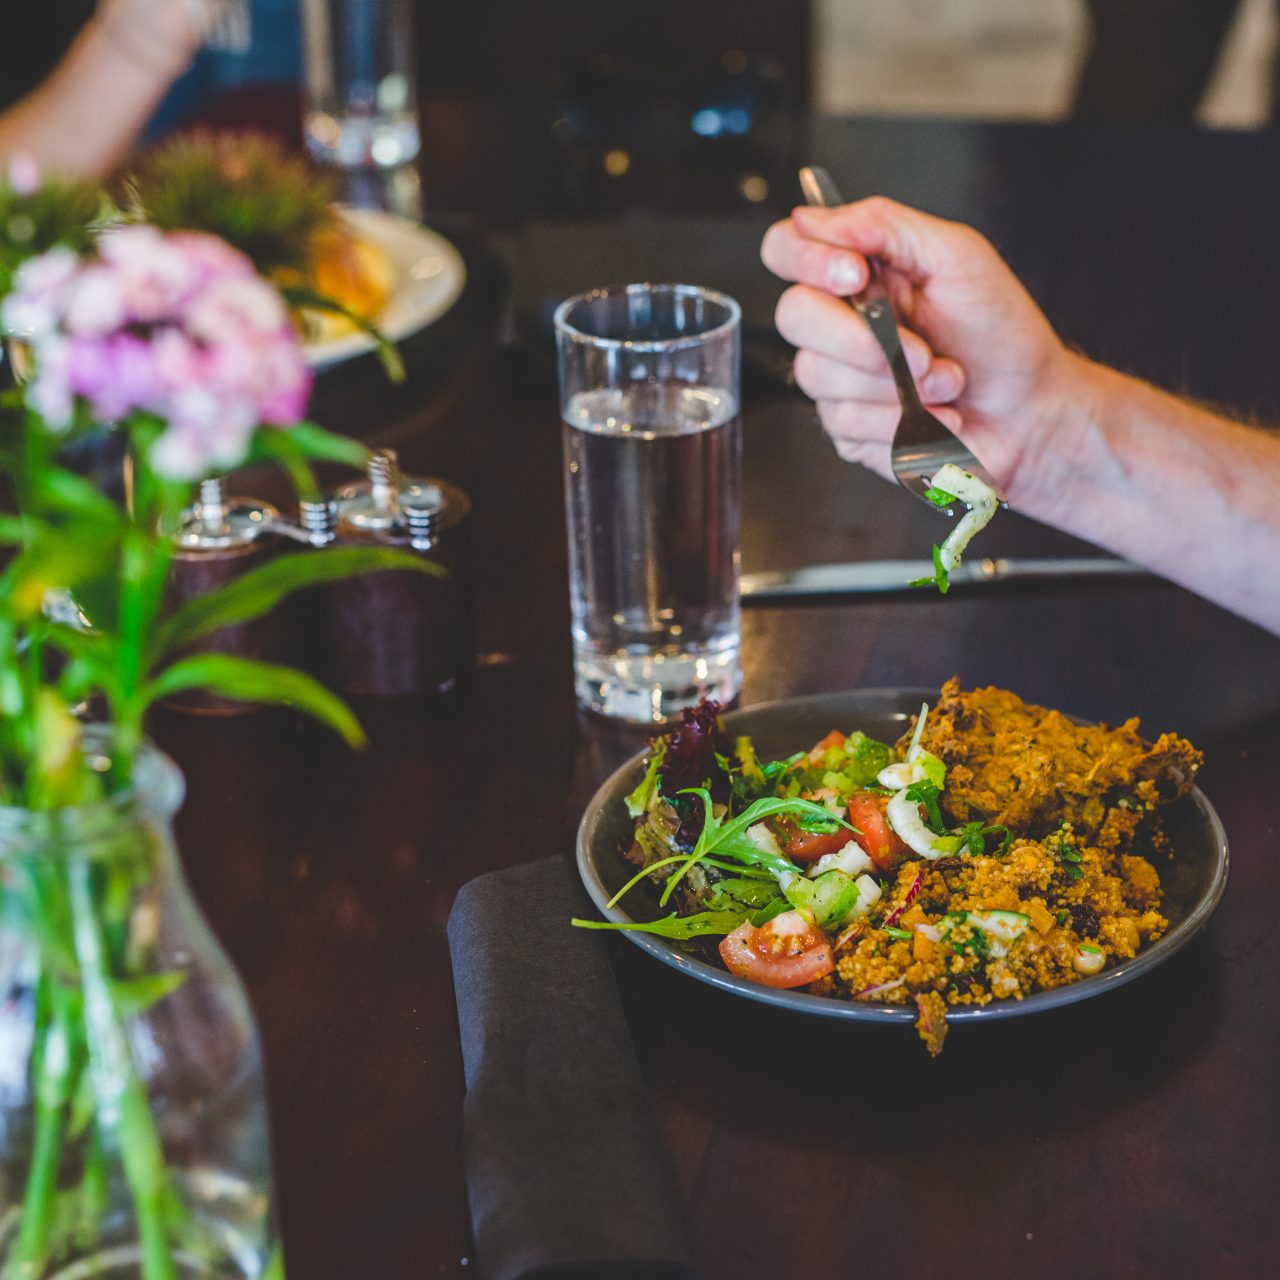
x,y
1031,769
350,270
1077,917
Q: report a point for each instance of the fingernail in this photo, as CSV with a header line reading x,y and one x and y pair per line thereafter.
x,y
844,276
918,360
939,384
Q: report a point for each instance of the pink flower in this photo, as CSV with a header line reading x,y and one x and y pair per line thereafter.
x,y
35,305
179,326
94,303
228,305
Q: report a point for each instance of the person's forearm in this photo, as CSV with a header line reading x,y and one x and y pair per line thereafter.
x,y
1165,483
83,118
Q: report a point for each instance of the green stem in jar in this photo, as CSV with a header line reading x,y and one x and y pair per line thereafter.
x,y
120,1094
54,1077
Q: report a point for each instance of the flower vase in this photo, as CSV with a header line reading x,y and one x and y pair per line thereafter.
x,y
133,1127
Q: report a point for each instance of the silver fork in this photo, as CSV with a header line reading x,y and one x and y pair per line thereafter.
x,y
921,444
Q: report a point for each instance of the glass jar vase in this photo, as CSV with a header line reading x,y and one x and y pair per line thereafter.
x,y
133,1128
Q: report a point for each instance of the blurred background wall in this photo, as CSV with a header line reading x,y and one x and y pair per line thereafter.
x,y
1004,59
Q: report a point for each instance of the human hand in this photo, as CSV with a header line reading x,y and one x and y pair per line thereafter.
x,y
161,36
987,362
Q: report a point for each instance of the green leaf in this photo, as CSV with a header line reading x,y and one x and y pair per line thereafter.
x,y
16,531
926,793
765,914
56,489
674,926
328,446
767,808
137,995
941,579
735,893
638,801
274,445
940,497
728,839
302,296
261,589
248,681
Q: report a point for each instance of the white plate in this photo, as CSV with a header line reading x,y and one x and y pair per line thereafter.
x,y
429,276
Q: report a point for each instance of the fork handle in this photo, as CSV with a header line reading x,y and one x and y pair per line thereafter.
x,y
873,306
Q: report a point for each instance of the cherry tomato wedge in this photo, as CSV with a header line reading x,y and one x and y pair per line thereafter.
x,y
786,952
809,846
884,848
833,741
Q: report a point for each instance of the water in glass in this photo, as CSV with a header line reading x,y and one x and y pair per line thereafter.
x,y
652,479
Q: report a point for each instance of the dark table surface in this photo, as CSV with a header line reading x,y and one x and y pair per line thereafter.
x,y
1134,1135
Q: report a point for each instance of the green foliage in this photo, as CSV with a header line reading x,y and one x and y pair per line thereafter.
x,y
940,579
57,213
249,681
297,295
245,188
262,589
681,928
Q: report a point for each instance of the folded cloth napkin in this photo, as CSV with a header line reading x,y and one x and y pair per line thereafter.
x,y
566,1172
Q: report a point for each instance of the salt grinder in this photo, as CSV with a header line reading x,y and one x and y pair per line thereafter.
x,y
219,539
399,632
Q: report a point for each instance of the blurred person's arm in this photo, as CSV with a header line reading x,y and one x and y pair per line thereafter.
x,y
83,118
1184,491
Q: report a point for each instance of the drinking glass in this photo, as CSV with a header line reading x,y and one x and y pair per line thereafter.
x,y
361,110
652,433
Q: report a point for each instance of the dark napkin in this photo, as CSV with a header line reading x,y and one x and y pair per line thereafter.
x,y
566,1172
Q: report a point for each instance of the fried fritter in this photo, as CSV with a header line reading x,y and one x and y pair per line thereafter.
x,y
1031,769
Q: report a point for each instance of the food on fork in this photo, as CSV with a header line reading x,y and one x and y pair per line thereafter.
x,y
997,849
951,484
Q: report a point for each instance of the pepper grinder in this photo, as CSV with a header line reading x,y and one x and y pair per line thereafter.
x,y
395,633
219,539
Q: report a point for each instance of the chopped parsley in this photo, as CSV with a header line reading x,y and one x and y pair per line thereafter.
x,y
926,793
941,578
940,497
1067,857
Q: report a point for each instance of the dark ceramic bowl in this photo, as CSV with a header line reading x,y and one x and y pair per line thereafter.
x,y
1193,881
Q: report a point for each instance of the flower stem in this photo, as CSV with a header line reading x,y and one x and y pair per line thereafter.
x,y
94,1192
120,1093
145,1171
53,1088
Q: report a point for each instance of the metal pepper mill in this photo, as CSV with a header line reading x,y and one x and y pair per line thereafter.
x,y
218,539
396,633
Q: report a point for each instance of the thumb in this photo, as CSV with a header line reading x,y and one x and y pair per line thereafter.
x,y
914,243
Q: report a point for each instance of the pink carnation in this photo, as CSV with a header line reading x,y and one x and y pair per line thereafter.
x,y
177,325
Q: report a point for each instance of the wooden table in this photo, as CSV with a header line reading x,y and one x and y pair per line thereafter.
x,y
1135,1135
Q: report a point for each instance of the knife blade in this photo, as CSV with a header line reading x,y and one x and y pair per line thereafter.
x,y
891,577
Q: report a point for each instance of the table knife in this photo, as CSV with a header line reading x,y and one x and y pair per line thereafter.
x,y
892,577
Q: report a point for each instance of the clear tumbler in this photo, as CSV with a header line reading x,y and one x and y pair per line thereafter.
x,y
361,110
652,432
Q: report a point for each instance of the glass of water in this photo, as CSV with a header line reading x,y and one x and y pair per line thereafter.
x,y
649,383
361,110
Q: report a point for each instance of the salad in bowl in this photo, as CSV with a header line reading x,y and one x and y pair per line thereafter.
x,y
995,850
